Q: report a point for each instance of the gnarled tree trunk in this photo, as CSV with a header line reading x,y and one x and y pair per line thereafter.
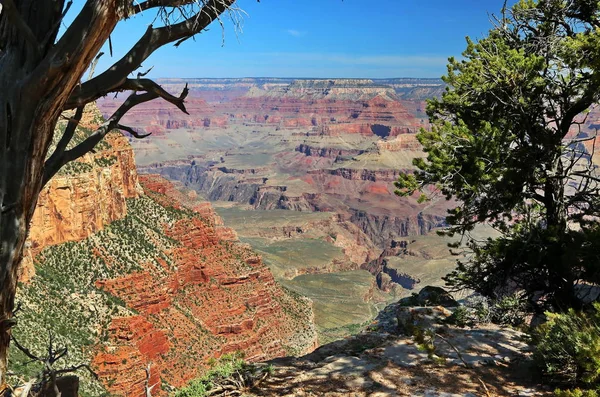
x,y
40,77
36,79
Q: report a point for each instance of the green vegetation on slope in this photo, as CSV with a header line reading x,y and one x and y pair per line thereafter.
x,y
62,299
344,302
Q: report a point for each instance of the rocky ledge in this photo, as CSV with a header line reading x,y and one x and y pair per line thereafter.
x,y
381,361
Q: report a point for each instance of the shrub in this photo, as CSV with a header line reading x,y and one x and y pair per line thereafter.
x,y
575,393
224,367
462,317
228,371
480,308
509,310
568,347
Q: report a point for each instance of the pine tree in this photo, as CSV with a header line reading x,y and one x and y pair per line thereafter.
x,y
506,143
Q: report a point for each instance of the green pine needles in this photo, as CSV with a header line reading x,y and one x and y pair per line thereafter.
x,y
568,350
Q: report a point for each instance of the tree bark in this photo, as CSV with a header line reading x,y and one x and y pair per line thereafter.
x,y
21,171
13,239
21,181
36,78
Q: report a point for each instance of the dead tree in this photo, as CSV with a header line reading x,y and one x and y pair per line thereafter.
x,y
41,77
147,387
51,380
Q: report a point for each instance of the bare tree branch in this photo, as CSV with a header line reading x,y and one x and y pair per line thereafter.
x,y
24,350
27,388
148,4
56,26
150,86
115,76
133,132
49,374
51,168
67,136
76,368
93,66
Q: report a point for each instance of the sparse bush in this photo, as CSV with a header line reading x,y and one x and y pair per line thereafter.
x,y
509,310
228,371
462,317
480,308
568,348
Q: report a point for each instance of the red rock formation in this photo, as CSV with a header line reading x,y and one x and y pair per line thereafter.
x,y
217,297
357,110
330,117
212,296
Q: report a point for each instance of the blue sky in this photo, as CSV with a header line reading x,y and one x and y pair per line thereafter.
x,y
322,38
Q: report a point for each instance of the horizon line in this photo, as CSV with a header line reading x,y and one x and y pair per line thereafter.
x,y
302,78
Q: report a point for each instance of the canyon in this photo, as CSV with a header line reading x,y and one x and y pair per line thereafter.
x,y
265,221
126,271
303,171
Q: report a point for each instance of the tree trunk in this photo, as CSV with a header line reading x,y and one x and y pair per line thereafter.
x,y
13,238
21,167
561,276
21,163
37,76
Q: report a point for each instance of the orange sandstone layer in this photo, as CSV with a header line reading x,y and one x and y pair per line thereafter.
x,y
73,207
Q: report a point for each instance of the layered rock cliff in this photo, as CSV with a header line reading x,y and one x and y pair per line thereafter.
x,y
75,205
372,227
384,228
126,275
